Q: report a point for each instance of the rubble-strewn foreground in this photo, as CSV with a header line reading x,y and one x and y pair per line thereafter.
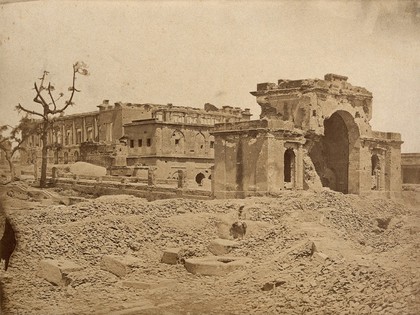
x,y
324,253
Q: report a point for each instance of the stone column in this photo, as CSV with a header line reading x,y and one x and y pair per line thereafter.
x,y
269,164
83,130
95,129
299,167
151,176
54,174
73,133
182,179
212,180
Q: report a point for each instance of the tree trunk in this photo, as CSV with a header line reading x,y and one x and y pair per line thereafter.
x,y
44,155
11,167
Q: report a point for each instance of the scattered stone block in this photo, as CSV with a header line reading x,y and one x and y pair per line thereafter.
x,y
305,248
144,285
215,265
272,284
119,265
221,247
56,271
171,256
320,256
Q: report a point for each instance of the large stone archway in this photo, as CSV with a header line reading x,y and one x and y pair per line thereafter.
x,y
336,154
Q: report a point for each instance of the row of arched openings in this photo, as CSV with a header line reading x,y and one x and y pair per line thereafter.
x,y
179,143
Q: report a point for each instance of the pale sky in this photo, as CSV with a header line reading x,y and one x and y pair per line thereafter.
x,y
189,53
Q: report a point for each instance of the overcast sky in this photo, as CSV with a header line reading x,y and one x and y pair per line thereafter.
x,y
190,53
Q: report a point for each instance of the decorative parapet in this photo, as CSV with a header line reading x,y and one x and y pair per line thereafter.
x,y
332,84
410,159
262,124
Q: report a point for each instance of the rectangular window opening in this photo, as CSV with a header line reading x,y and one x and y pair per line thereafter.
x,y
149,142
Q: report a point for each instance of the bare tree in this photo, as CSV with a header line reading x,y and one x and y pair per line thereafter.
x,y
12,139
44,97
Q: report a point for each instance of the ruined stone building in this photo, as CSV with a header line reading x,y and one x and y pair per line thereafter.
x,y
122,135
311,133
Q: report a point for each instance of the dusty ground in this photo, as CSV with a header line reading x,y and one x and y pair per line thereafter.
x,y
372,247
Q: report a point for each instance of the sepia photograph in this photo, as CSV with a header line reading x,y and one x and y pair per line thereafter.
x,y
209,157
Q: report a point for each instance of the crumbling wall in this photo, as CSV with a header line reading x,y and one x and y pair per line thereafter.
x,y
97,153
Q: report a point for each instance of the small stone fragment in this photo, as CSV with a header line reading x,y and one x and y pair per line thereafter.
x,y
171,256
56,271
221,247
119,265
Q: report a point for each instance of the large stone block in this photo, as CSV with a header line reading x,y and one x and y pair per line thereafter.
x,y
57,271
221,247
119,265
215,265
171,256
144,285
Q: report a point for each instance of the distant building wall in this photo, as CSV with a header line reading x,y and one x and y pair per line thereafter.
x,y
410,168
171,137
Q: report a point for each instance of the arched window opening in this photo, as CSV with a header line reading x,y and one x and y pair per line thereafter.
x,y
178,142
211,143
199,179
200,144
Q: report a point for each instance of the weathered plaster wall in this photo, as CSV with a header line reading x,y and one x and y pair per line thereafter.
x,y
250,161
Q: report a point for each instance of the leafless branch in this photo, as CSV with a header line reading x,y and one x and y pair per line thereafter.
x,y
39,99
42,79
52,98
31,112
70,100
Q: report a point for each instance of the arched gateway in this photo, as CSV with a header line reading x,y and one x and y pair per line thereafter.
x,y
336,154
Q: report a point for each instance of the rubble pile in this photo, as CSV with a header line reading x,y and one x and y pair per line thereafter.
x,y
311,253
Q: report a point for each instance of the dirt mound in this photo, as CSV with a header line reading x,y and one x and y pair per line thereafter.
x,y
312,253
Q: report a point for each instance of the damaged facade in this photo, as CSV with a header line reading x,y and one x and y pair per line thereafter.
x,y
178,138
311,134
125,135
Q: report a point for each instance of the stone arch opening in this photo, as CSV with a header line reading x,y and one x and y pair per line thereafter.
x,y
336,154
66,157
289,167
76,156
